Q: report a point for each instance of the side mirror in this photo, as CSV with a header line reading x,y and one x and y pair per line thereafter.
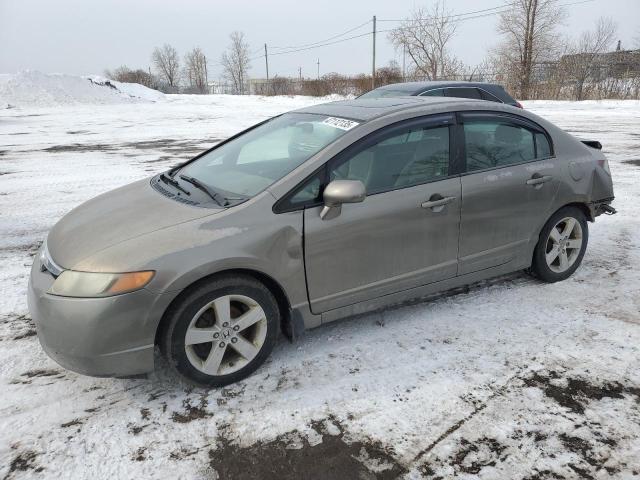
x,y
339,192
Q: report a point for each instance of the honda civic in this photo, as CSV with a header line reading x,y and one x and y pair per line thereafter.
x,y
311,216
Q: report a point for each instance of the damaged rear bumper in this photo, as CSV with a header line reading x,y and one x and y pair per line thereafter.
x,y
599,207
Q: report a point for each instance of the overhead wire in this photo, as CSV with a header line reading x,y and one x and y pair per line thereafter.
x,y
335,39
460,17
453,15
322,41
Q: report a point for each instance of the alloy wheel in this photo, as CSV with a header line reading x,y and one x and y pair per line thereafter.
x,y
564,244
225,335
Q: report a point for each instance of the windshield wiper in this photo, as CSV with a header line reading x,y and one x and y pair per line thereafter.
x,y
215,196
172,171
170,181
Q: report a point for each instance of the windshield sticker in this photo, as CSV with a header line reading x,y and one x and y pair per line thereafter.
x,y
341,123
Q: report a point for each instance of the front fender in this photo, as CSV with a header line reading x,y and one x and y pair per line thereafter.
x,y
251,238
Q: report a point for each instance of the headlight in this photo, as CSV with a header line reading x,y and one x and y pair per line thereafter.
x,y
47,263
89,284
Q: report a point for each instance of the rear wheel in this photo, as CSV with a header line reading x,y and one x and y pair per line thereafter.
x,y
222,331
562,244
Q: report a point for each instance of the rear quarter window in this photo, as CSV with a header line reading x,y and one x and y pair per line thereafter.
x,y
489,97
542,146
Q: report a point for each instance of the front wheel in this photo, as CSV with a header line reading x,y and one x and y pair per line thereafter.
x,y
562,244
222,331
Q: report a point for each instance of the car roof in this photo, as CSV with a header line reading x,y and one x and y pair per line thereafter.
x,y
412,87
370,108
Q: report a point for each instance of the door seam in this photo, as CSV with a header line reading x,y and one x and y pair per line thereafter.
x,y
304,258
459,228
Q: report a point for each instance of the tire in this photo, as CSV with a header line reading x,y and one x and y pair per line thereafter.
x,y
221,331
569,247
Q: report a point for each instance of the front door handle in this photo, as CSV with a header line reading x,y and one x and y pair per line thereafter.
x,y
538,179
437,202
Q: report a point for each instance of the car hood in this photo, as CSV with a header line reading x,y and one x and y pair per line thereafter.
x,y
114,217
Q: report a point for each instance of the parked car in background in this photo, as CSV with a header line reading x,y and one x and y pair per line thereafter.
x,y
312,216
475,90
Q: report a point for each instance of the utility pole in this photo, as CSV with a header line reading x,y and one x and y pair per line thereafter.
x,y
206,76
318,69
300,74
404,56
373,69
266,61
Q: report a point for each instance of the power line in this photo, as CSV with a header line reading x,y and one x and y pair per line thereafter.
x,y
459,17
323,45
409,27
325,40
451,16
488,12
502,8
476,16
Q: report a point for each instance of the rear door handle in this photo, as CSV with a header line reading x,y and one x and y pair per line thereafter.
x,y
539,180
438,203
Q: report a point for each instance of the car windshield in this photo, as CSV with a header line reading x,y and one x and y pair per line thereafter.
x,y
385,92
253,161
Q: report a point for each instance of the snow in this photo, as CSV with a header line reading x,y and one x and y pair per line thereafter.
x,y
133,90
36,89
511,379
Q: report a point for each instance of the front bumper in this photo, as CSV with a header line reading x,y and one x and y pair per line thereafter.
x,y
103,337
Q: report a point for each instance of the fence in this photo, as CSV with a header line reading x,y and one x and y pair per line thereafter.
x,y
553,80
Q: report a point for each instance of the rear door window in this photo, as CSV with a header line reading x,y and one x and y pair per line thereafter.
x,y
464,92
491,143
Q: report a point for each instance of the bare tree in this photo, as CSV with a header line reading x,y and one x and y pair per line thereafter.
x,y
554,77
389,74
125,75
425,35
195,71
586,56
529,30
235,62
167,64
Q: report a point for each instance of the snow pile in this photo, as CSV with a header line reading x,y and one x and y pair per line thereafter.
x,y
37,89
4,77
134,90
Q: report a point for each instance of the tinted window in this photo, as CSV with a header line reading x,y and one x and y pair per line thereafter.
x,y
463,92
495,143
414,156
385,92
438,92
542,146
502,94
489,97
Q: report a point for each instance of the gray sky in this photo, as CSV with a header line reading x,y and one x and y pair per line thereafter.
x,y
87,36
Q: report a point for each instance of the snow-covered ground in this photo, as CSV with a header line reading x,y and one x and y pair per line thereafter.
x,y
511,379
